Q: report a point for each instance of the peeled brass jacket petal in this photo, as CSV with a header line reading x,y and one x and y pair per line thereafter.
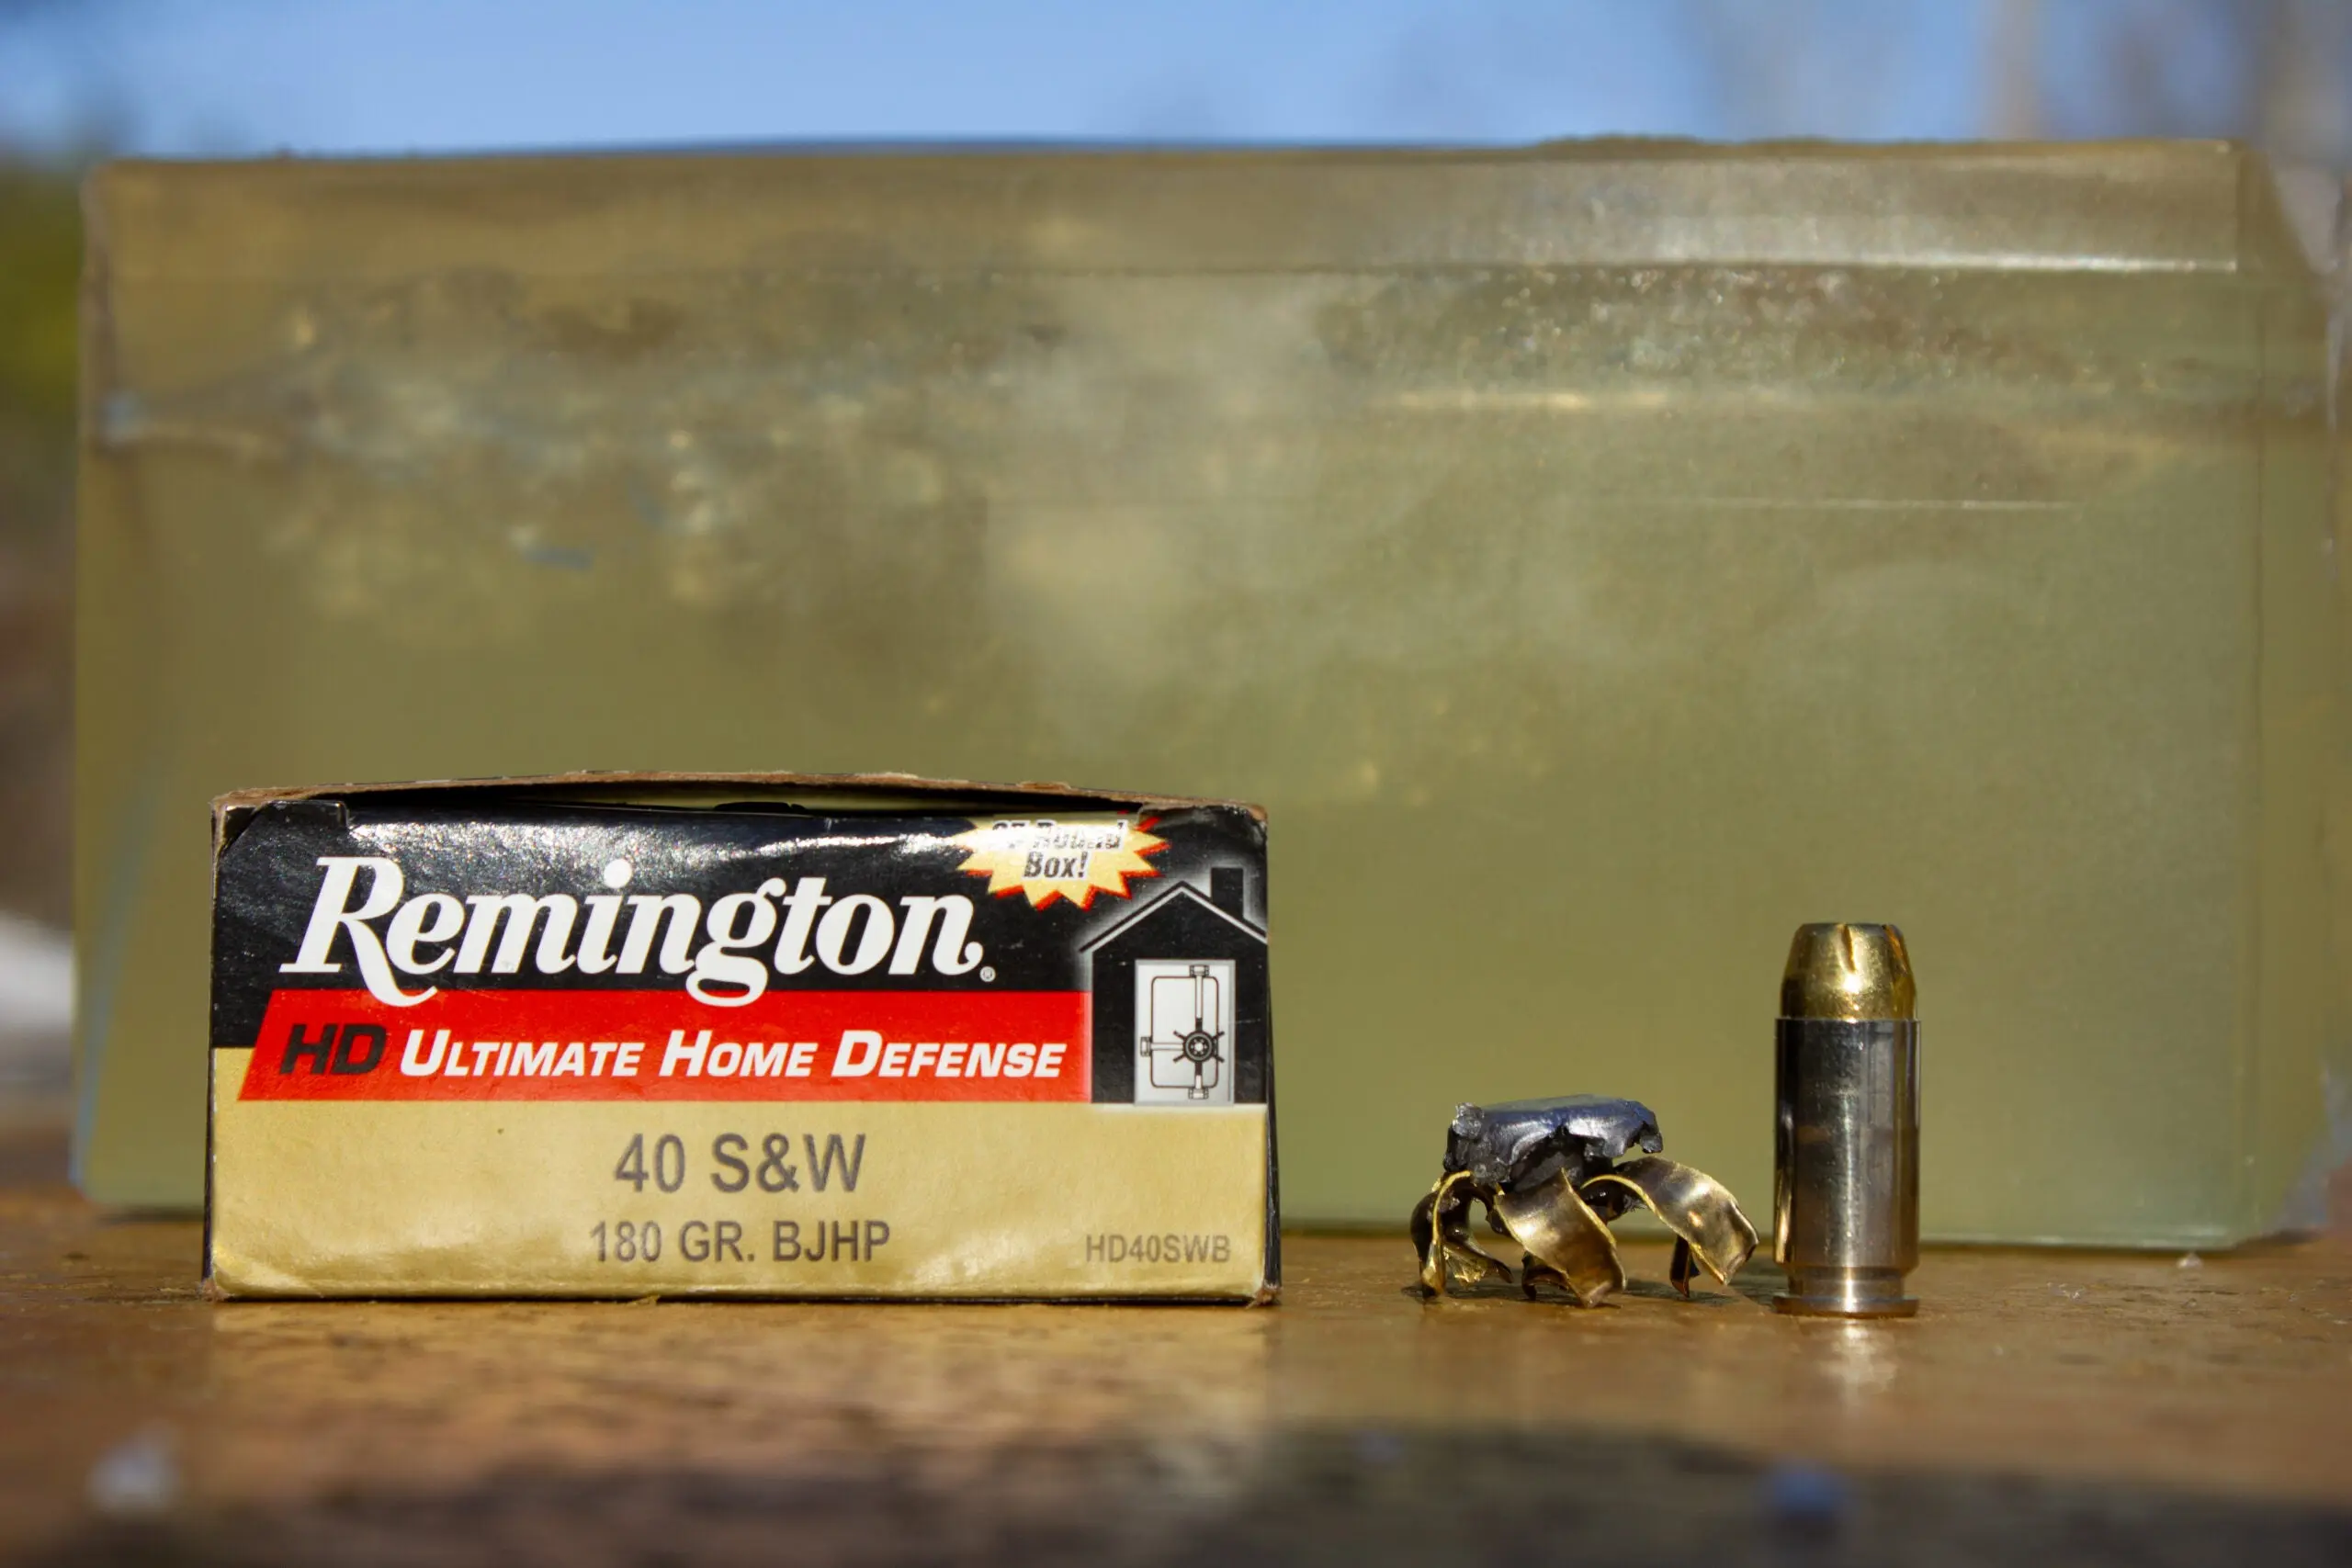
x,y
1697,1208
1442,1235
1560,1232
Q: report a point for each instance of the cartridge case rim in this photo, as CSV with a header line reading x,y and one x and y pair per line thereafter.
x,y
1846,1293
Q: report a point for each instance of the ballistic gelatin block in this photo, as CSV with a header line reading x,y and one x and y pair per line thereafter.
x,y
1601,559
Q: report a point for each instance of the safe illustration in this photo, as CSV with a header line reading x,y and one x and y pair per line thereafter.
x,y
1181,1000
1186,1012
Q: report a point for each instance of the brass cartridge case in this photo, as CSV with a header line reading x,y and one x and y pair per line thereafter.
x,y
1846,1166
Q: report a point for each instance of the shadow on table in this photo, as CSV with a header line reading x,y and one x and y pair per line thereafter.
x,y
1365,1497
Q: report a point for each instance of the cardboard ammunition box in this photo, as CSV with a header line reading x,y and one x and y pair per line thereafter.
x,y
627,1035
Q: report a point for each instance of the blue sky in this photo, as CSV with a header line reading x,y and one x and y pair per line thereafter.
x,y
205,78
234,76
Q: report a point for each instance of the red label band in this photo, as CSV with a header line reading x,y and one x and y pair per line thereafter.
x,y
787,1046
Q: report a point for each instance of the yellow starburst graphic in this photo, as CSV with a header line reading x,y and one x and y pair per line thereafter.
x,y
1063,857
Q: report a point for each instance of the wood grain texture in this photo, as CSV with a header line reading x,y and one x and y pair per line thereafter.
x,y
2041,1399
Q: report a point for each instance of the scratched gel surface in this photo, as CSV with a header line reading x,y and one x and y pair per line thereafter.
x,y
1599,560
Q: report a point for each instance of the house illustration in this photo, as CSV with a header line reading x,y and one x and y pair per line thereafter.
x,y
1182,1001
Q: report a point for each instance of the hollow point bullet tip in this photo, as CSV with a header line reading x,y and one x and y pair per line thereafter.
x,y
1839,970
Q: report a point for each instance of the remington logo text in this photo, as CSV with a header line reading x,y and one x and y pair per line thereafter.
x,y
727,953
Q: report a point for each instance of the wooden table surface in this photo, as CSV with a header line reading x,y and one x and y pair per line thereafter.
x,y
2051,1404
